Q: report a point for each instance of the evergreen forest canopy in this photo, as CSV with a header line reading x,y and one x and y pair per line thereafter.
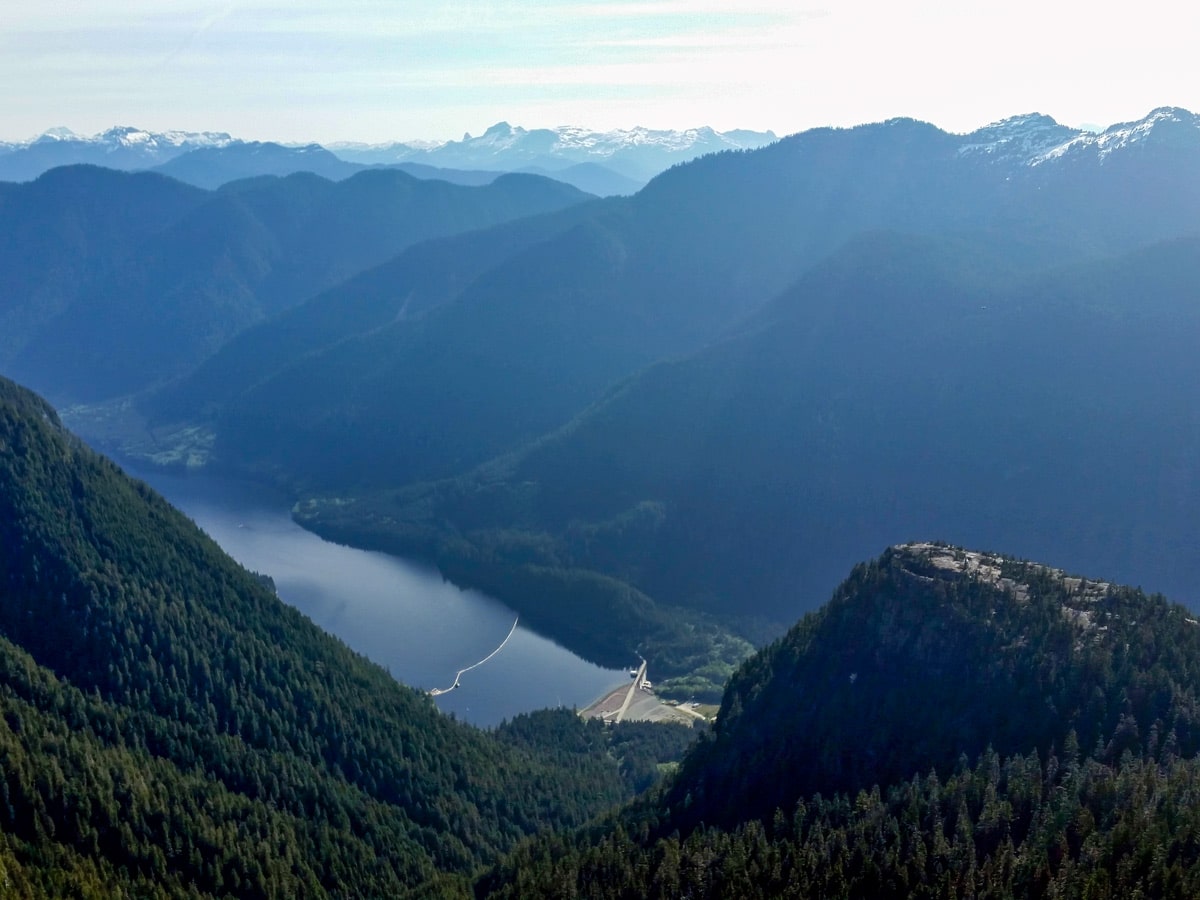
x,y
171,728
951,723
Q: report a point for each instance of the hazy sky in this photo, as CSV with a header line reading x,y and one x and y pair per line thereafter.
x,y
378,70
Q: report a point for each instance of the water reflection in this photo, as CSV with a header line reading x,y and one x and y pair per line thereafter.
x,y
399,614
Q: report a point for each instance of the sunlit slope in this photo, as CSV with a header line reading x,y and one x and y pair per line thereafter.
x,y
950,723
167,713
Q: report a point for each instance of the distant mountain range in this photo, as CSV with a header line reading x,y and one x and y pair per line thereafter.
x,y
638,153
625,282
628,157
603,163
122,147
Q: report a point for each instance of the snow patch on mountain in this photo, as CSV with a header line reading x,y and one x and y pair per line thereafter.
x,y
606,143
61,133
1018,138
127,136
352,147
1161,124
1034,139
123,147
645,151
571,141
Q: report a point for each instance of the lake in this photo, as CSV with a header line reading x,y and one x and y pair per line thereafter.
x,y
399,614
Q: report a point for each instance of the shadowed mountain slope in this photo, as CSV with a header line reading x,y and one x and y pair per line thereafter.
x,y
403,289
70,227
211,167
182,285
535,338
906,386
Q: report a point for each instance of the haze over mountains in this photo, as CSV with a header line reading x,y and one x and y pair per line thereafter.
x,y
775,456
664,424
118,280
759,466
702,247
603,163
500,387
638,153
120,147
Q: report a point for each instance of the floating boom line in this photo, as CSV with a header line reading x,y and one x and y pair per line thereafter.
x,y
438,691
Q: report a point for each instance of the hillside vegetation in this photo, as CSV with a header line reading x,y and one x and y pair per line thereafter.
x,y
171,728
546,329
951,723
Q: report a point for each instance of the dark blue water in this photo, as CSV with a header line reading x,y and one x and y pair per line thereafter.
x,y
397,613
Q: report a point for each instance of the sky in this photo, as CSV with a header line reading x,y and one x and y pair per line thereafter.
x,y
384,70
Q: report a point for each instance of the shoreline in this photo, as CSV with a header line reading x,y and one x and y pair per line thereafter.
x,y
644,707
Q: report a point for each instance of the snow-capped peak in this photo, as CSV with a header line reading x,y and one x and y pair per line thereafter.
x,y
61,133
608,143
500,136
1018,138
1159,124
503,145
127,136
121,147
638,152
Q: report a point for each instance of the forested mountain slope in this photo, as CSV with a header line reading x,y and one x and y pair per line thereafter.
x,y
931,652
416,281
168,285
212,167
533,338
906,386
68,228
171,726
951,723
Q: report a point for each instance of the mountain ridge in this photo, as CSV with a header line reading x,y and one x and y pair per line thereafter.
x,y
644,151
950,723
719,236
637,152
178,283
